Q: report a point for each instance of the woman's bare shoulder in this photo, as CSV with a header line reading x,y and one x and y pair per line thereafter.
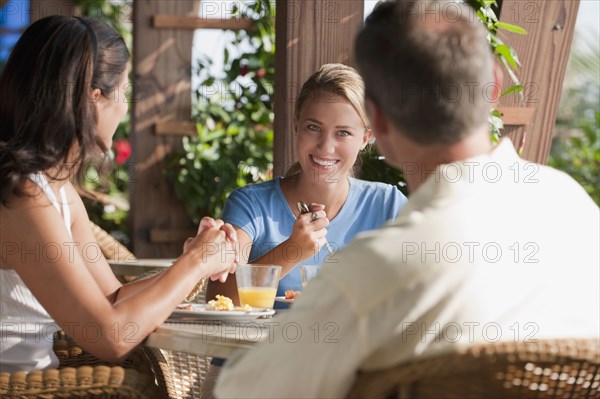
x,y
20,218
31,197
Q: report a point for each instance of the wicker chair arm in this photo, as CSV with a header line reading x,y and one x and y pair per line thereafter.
x,y
565,368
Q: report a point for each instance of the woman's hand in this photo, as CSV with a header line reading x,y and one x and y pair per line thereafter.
x,y
217,246
309,231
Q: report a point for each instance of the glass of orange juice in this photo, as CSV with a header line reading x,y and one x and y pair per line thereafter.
x,y
257,284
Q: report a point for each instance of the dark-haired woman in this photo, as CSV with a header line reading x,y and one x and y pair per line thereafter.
x,y
61,99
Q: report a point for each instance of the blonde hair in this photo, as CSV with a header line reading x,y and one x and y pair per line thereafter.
x,y
332,79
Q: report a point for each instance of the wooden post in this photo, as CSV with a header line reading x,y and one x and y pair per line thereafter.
x,y
162,93
309,33
544,53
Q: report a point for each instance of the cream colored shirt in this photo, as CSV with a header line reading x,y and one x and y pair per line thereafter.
x,y
489,249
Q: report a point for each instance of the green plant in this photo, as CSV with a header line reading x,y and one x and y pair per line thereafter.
x,y
234,116
375,169
234,120
107,199
579,156
576,144
115,12
486,11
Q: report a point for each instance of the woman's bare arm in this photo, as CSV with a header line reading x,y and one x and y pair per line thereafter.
x,y
74,290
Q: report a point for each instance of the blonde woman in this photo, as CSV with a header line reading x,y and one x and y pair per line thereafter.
x,y
331,129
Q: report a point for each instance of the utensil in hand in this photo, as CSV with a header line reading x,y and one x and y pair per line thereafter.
x,y
303,208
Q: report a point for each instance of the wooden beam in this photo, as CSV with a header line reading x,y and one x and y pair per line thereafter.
x,y
544,53
516,116
162,69
163,21
175,128
310,33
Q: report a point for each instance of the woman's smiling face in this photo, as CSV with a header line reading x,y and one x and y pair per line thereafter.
x,y
330,134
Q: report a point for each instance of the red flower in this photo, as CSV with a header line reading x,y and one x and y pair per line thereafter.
x,y
122,151
244,70
261,73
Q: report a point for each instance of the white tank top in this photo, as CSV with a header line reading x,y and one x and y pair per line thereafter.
x,y
26,329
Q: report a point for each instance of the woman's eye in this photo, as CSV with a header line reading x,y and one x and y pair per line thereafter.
x,y
314,128
343,133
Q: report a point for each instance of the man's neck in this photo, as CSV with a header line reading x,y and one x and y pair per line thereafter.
x,y
426,159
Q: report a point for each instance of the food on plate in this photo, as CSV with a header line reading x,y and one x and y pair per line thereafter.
x,y
292,294
220,302
225,303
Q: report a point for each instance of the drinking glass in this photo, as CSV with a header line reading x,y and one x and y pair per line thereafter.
x,y
308,272
257,284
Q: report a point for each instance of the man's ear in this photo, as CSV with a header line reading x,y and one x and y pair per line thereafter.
x,y
379,123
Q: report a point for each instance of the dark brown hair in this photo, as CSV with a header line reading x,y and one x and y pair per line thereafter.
x,y
425,64
46,111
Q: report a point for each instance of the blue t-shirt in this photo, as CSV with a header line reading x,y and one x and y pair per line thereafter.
x,y
262,211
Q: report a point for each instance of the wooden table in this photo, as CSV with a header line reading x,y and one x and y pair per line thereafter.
x,y
210,338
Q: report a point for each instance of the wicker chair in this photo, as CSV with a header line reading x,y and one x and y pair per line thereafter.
x,y
111,248
80,375
565,368
183,374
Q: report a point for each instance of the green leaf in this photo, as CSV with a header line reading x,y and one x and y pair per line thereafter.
x,y
511,28
512,75
513,89
506,53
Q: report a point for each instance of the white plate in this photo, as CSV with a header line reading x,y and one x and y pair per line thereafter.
x,y
283,299
199,312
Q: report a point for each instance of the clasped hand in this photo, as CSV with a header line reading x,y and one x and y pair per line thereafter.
x,y
217,244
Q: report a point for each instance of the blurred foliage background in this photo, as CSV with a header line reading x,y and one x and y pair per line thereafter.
x,y
106,182
234,119
576,144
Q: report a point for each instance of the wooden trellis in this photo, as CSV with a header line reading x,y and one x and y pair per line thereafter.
x,y
161,112
309,34
162,67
